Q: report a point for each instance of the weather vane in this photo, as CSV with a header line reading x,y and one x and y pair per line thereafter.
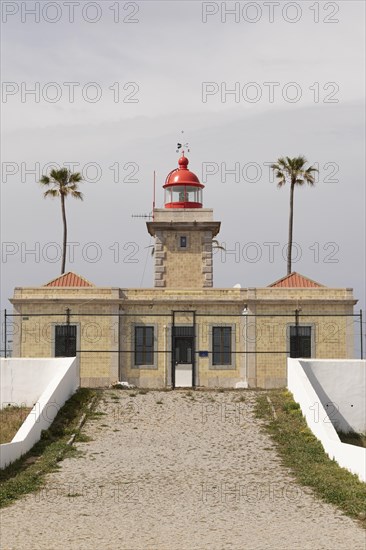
x,y
180,145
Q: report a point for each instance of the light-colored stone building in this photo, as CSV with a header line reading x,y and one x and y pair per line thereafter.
x,y
183,332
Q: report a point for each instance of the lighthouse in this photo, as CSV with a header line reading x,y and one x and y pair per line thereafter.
x,y
183,232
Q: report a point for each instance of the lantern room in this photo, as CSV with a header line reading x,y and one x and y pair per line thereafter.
x,y
182,187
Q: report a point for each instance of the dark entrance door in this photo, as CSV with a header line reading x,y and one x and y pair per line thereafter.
x,y
183,350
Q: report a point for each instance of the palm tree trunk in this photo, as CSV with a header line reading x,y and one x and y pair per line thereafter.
x,y
290,229
64,244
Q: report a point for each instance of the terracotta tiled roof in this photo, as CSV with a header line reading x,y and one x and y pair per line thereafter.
x,y
69,279
295,280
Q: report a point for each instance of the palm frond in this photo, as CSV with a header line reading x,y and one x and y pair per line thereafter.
x,y
282,162
309,179
281,176
51,193
312,169
75,178
77,195
299,162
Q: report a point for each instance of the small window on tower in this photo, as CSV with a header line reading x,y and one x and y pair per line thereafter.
x,y
183,242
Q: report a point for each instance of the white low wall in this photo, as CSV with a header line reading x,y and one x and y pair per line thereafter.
x,y
304,381
341,387
183,376
44,384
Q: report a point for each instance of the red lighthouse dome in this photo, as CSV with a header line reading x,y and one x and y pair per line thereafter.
x,y
182,187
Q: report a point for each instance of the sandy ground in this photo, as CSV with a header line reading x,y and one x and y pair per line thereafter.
x,y
184,474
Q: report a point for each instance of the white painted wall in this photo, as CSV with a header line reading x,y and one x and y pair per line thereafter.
x,y
305,392
341,386
44,384
23,380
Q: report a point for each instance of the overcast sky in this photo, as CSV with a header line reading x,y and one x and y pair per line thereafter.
x,y
115,83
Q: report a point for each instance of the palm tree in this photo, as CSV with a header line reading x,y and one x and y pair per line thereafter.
x,y
63,183
294,171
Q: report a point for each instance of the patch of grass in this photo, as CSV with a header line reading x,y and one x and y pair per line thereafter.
x,y
28,473
303,453
159,402
83,438
133,394
240,399
143,391
11,419
118,386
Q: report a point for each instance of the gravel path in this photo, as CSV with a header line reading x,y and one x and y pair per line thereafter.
x,y
175,471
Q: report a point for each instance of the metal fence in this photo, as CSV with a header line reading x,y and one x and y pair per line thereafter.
x,y
68,318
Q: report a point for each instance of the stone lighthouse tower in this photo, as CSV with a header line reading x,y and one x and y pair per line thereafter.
x,y
183,232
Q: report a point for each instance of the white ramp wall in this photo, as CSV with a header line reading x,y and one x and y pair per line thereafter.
x,y
45,385
341,386
304,384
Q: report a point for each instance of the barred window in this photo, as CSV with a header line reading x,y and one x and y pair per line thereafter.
x,y
221,344
144,346
65,341
300,341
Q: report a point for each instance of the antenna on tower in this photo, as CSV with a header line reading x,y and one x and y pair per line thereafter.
x,y
153,208
181,144
142,215
151,214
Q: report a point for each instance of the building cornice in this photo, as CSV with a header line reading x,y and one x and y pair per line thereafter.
x,y
214,227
